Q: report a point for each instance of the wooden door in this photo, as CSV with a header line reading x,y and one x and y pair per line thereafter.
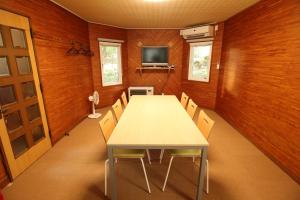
x,y
23,125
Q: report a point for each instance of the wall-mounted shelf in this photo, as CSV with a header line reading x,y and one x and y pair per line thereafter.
x,y
169,68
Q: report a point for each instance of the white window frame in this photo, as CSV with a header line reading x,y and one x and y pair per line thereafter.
x,y
119,63
190,75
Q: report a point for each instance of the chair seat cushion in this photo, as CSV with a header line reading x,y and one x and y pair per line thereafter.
x,y
185,152
129,153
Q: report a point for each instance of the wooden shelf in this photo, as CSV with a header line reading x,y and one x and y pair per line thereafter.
x,y
169,68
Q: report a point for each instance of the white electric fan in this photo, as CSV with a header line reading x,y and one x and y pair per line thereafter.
x,y
95,100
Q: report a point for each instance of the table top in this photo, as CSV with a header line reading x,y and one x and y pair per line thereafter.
x,y
156,121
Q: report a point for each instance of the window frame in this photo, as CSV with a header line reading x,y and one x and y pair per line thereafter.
x,y
190,70
119,45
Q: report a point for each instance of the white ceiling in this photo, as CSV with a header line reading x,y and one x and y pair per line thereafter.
x,y
154,13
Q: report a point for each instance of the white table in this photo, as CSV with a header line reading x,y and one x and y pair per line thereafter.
x,y
156,122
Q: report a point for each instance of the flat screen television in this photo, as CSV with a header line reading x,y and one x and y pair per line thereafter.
x,y
155,56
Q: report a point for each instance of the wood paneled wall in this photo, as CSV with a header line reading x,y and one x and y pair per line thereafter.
x,y
259,90
161,80
66,80
4,175
204,94
108,94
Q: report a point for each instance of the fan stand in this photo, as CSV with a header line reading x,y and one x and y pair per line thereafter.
x,y
94,115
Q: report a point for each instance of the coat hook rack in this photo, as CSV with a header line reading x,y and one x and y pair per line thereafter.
x,y
78,48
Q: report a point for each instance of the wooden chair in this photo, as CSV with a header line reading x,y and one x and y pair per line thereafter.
x,y
107,125
124,99
205,125
191,108
184,99
118,110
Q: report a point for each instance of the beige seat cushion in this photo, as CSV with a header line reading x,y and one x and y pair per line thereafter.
x,y
129,153
185,152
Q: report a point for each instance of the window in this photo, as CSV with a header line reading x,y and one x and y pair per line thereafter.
x,y
199,64
111,67
1,40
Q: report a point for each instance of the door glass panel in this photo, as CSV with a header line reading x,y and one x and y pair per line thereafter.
x,y
28,90
38,133
7,94
18,38
1,40
13,121
19,145
23,65
33,112
4,69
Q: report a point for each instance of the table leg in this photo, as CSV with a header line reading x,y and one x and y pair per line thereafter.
x,y
201,173
112,174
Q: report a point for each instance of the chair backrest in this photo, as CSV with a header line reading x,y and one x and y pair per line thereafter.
x,y
117,107
191,108
184,99
124,99
205,123
107,125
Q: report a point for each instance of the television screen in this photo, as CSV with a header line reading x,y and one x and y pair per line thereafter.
x,y
152,56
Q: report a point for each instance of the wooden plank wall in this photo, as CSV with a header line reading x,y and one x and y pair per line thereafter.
x,y
66,80
108,94
259,90
4,175
204,94
161,80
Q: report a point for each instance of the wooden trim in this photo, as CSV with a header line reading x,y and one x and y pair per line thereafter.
x,y
110,40
6,167
4,182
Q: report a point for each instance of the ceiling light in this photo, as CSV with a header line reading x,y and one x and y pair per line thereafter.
x,y
154,0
